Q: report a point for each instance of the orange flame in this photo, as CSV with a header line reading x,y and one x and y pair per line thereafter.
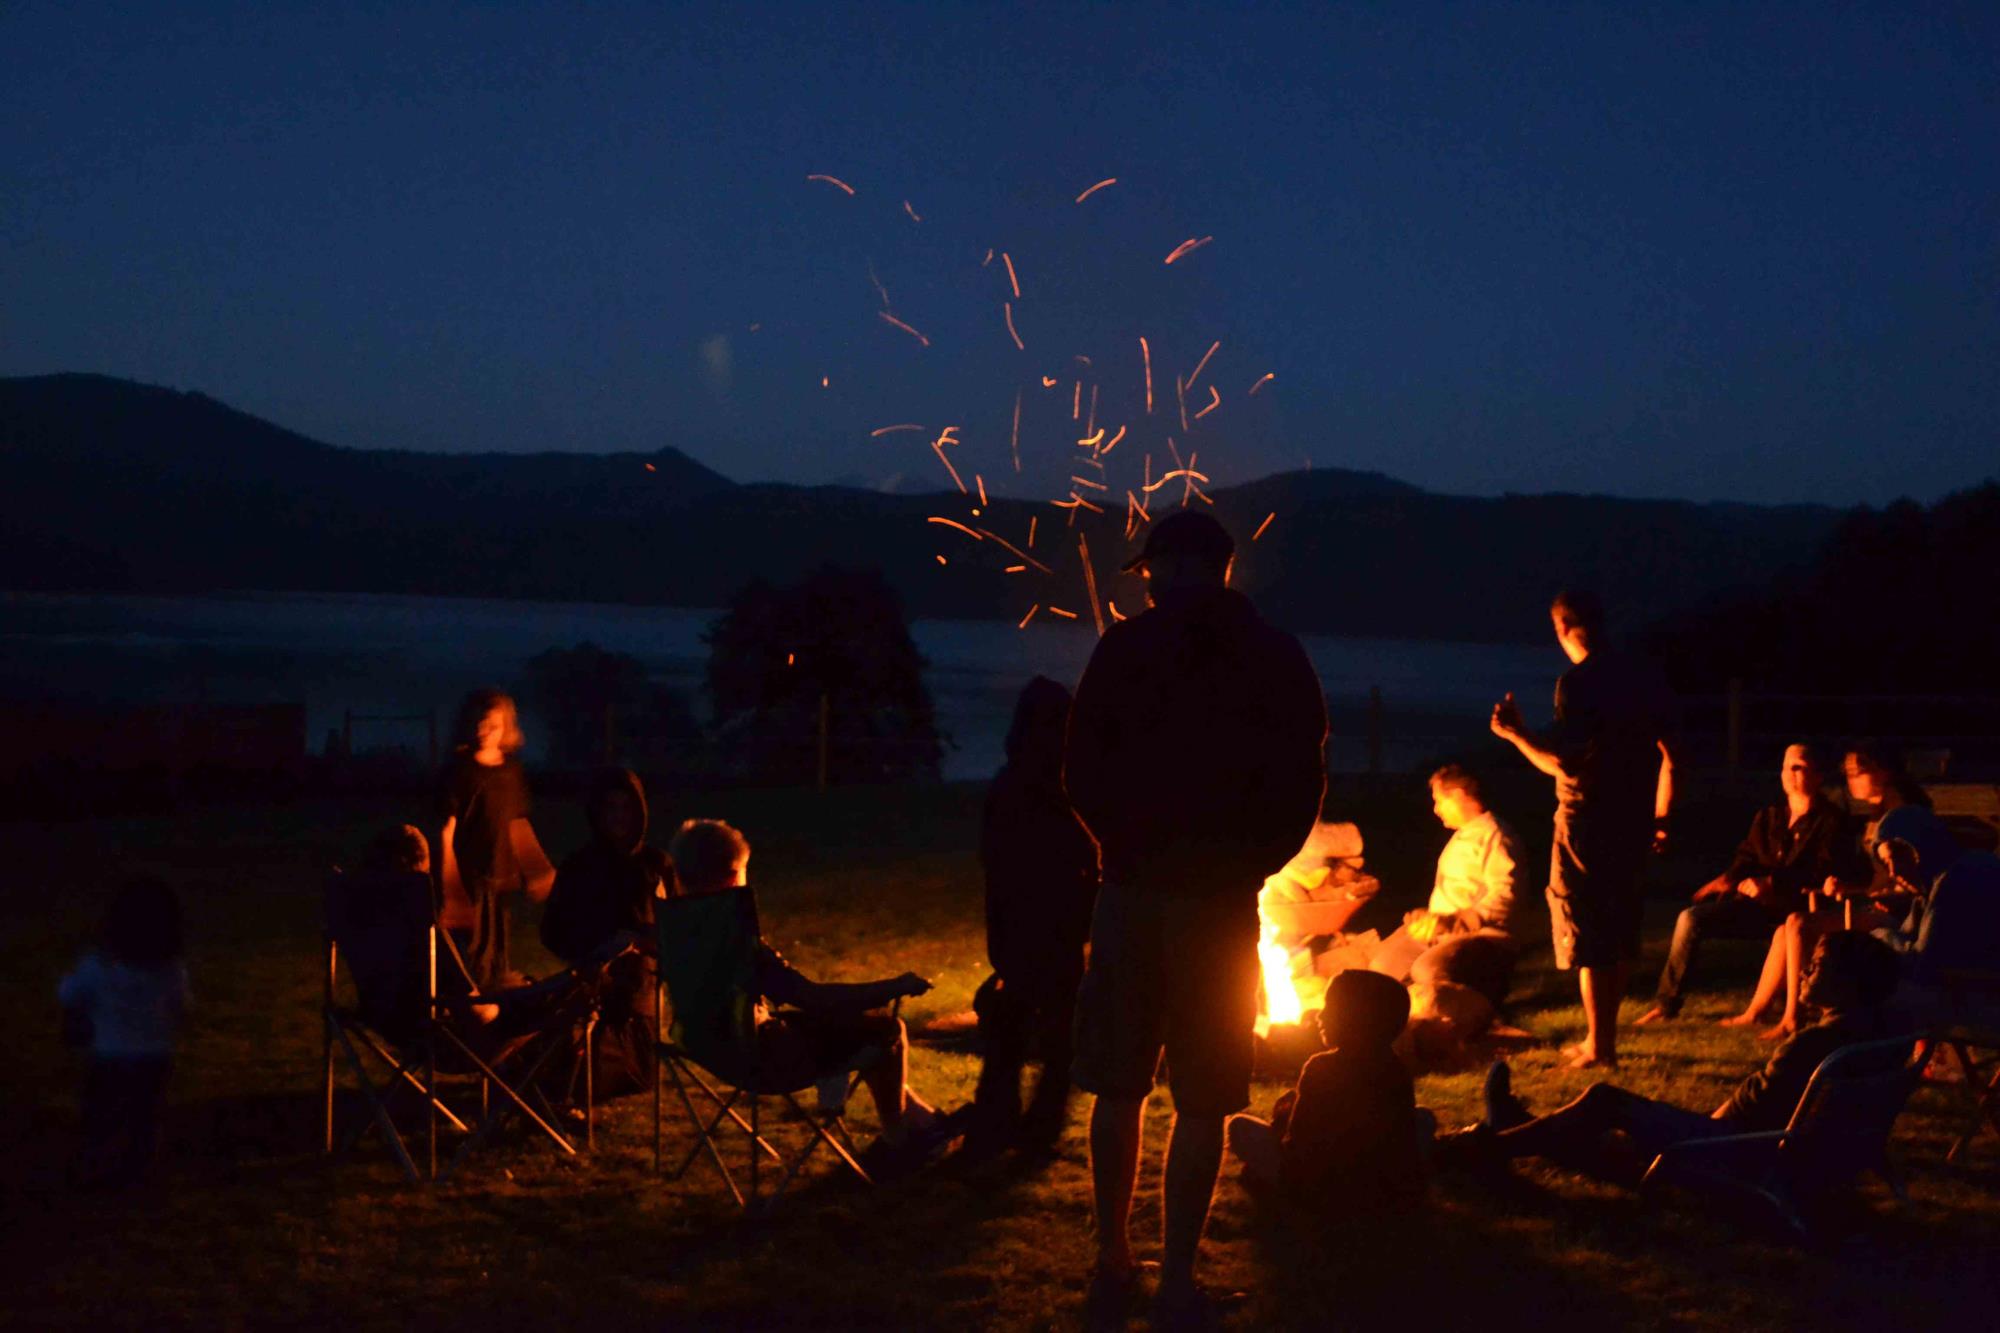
x,y
1281,997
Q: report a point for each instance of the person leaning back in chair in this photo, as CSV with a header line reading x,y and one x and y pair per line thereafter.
x,y
1790,850
1611,755
1195,758
806,1031
1613,1134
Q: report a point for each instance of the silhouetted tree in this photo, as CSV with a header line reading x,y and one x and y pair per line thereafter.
x,y
836,641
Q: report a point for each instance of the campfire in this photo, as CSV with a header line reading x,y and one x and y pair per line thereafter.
x,y
1301,909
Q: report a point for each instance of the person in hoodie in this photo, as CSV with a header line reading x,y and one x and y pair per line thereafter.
x,y
1954,918
1041,880
1195,757
602,902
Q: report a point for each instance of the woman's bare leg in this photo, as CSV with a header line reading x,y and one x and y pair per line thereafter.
x,y
1768,982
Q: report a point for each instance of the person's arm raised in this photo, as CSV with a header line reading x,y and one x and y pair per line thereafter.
x,y
1509,726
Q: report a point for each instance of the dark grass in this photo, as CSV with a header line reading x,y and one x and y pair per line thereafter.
x,y
247,1226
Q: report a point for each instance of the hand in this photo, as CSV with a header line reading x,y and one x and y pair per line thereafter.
x,y
1753,889
910,984
1424,929
1715,888
1507,722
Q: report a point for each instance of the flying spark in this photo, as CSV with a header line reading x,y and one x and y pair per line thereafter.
x,y
1269,375
1265,524
886,317
1108,180
834,181
1188,247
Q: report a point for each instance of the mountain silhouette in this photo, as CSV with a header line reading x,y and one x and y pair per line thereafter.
x,y
110,485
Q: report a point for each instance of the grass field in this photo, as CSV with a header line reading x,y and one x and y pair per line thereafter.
x,y
248,1226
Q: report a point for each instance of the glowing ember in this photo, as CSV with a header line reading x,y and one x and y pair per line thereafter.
x,y
1012,281
1188,247
1112,443
888,318
1007,309
942,561
914,216
834,181
1066,615
1030,616
954,523
980,482
651,468
1015,569
1214,401
880,431
1269,375
1265,524
1108,180
1202,364
1014,439
1146,360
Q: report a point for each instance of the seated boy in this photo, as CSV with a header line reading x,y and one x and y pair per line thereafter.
x,y
824,1029
1346,1140
1614,1134
1467,933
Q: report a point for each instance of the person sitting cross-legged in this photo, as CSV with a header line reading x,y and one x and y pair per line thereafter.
x,y
1466,933
812,1031
1613,1134
1791,849
1345,1142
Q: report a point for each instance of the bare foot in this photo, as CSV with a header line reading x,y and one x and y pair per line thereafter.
x,y
1748,1018
1776,1032
1656,1014
1582,1055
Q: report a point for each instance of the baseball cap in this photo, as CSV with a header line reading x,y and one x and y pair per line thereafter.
x,y
1187,532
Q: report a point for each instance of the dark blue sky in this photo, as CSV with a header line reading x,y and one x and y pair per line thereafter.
x,y
1705,251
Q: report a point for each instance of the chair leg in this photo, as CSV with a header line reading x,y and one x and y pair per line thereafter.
x,y
326,1041
380,1112
590,1083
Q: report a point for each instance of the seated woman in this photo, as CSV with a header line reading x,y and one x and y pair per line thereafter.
x,y
602,902
1954,917
1614,1134
1465,935
1875,780
819,1030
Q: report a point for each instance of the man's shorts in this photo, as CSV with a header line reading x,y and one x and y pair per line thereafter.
x,y
1174,973
1596,899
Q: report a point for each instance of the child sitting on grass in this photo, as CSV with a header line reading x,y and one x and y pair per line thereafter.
x,y
823,1030
1345,1142
123,1002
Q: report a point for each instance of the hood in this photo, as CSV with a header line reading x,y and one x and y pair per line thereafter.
x,y
1926,834
608,781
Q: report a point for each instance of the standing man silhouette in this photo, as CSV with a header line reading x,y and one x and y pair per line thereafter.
x,y
1195,756
1611,755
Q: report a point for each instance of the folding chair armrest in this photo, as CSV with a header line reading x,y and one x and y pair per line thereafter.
x,y
1712,1157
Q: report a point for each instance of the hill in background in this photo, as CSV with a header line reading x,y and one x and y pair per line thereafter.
x,y
109,485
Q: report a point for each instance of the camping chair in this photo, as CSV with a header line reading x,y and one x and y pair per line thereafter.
x,y
1972,1035
381,925
1840,1129
708,954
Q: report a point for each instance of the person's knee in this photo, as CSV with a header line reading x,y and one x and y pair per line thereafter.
x,y
1603,1096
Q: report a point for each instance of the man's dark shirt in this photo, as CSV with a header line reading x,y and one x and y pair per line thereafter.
x,y
485,801
1796,857
1768,1097
1195,753
1611,711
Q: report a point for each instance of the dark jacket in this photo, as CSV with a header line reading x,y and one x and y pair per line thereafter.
x,y
1797,857
1195,753
605,888
1041,878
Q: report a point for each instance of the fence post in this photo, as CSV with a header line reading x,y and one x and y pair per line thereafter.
x,y
1374,728
1735,747
825,713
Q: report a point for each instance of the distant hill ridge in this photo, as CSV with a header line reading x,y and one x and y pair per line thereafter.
x,y
110,485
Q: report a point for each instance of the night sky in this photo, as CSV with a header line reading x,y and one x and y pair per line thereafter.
x,y
1719,251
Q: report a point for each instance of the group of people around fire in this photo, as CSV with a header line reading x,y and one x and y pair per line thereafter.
x,y
1123,844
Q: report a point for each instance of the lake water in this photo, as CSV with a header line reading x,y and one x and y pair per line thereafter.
x,y
416,655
